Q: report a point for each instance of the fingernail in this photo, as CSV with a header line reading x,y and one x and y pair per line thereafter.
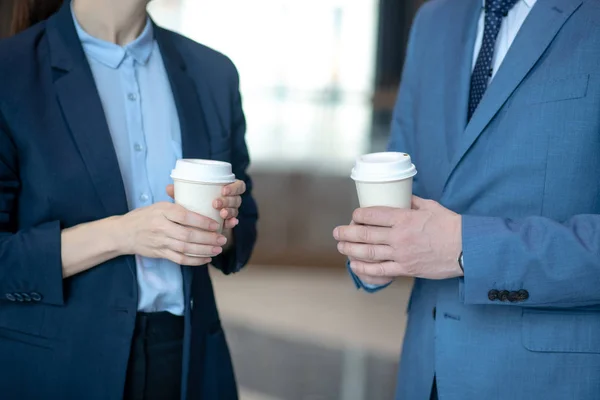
x,y
340,246
217,250
217,204
336,233
213,226
222,240
226,191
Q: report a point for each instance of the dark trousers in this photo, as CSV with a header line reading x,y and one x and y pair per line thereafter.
x,y
154,370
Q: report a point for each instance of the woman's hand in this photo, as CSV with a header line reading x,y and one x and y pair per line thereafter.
x,y
230,202
228,205
166,230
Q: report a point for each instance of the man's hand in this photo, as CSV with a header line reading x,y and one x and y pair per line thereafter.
x,y
384,243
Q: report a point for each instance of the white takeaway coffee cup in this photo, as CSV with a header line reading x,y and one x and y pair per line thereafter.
x,y
384,179
198,183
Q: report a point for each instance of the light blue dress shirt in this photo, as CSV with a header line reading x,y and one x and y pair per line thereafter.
x,y
142,118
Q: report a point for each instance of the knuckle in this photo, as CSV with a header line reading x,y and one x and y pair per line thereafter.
x,y
180,215
179,233
178,246
364,234
158,226
371,252
189,235
409,269
155,243
356,266
179,258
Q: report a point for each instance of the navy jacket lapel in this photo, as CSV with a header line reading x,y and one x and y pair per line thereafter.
x,y
195,139
82,109
191,99
541,26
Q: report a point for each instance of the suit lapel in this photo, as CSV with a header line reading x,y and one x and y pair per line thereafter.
x,y
539,29
458,61
83,112
194,105
189,99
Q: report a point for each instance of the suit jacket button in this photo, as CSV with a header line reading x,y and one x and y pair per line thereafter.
x,y
513,296
503,295
35,296
18,297
10,297
493,295
523,294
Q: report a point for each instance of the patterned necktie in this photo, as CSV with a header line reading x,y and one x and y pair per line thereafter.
x,y
495,11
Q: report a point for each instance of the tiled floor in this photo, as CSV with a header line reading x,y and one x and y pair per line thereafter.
x,y
306,333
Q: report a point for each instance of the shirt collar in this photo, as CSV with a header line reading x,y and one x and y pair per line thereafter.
x,y
111,54
529,3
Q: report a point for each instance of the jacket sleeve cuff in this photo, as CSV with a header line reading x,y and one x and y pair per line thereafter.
x,y
364,286
236,258
33,263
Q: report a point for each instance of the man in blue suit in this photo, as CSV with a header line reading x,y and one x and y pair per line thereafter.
x,y
500,109
99,296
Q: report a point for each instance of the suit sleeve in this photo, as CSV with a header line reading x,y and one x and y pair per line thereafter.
x,y
556,264
402,124
30,259
245,233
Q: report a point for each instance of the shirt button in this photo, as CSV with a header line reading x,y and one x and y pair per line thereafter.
x,y
137,147
132,96
144,197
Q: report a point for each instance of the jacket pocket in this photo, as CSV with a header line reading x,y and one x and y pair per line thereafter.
x,y
8,335
22,317
561,331
557,89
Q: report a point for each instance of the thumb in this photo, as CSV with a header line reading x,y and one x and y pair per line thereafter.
x,y
171,191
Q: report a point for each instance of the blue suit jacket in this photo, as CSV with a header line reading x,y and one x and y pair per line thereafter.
x,y
70,339
525,174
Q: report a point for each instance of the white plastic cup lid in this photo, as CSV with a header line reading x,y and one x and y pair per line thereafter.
x,y
205,171
383,167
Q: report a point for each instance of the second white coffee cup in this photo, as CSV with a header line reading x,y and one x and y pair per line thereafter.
x,y
198,183
384,179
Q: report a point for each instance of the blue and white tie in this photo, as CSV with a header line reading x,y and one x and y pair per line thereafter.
x,y
495,11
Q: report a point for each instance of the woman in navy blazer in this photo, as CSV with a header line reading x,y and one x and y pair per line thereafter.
x,y
73,240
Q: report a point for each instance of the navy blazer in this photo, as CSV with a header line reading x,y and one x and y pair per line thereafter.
x,y
70,339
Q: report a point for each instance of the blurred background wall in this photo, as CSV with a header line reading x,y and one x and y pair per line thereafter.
x,y
319,81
